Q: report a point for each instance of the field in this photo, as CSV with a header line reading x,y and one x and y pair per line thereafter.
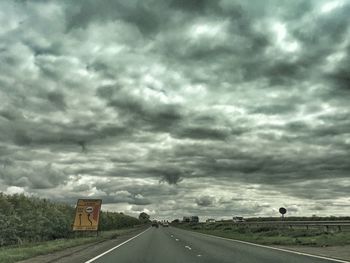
x,y
269,235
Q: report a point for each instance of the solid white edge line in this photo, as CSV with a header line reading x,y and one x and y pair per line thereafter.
x,y
119,245
275,248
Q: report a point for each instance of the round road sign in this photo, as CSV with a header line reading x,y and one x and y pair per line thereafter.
x,y
282,210
89,209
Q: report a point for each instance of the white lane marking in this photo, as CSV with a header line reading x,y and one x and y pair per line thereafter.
x,y
104,253
176,239
275,248
172,235
188,247
199,255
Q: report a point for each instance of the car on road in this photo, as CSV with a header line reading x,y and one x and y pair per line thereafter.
x,y
165,224
238,219
155,224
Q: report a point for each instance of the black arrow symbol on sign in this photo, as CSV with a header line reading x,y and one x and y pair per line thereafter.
x,y
89,219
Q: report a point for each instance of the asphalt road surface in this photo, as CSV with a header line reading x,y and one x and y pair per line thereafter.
x,y
170,245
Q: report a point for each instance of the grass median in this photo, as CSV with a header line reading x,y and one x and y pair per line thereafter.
x,y
274,236
12,254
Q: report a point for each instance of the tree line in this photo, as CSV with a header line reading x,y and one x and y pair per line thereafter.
x,y
29,219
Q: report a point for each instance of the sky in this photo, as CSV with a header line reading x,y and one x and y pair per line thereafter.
x,y
178,107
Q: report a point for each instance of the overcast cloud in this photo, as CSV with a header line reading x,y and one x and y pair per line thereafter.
x,y
178,107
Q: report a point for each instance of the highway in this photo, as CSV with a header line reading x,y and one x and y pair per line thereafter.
x,y
173,245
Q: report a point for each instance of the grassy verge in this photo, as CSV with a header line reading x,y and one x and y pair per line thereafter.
x,y
12,254
273,236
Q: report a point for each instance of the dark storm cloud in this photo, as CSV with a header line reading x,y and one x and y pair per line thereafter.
x,y
333,25
124,197
10,114
167,171
176,105
262,167
138,193
340,75
171,175
24,132
236,27
34,177
205,201
161,117
138,112
139,13
203,133
57,99
275,109
157,191
195,6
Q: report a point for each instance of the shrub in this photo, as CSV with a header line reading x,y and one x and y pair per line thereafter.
x,y
262,229
29,219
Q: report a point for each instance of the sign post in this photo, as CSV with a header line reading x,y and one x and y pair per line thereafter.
x,y
87,215
282,211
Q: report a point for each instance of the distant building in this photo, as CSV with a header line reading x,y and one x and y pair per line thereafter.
x,y
194,219
210,220
186,219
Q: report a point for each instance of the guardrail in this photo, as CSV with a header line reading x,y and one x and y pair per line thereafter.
x,y
326,225
307,224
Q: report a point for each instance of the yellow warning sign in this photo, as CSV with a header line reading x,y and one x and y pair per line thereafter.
x,y
87,215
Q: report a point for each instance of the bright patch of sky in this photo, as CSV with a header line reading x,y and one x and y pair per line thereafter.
x,y
284,41
331,5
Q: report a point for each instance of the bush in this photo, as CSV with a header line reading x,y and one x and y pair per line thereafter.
x,y
29,219
218,226
272,233
304,233
113,220
263,229
241,230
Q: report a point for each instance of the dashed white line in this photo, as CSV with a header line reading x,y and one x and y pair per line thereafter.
x,y
188,247
176,239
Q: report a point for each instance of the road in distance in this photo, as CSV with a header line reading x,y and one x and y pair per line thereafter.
x,y
173,245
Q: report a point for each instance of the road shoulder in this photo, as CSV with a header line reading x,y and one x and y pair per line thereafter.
x,y
82,253
337,252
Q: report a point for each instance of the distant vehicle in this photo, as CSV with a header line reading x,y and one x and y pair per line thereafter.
x,y
165,224
238,219
210,220
155,224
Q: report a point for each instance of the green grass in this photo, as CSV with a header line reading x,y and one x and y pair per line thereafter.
x,y
12,254
274,236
